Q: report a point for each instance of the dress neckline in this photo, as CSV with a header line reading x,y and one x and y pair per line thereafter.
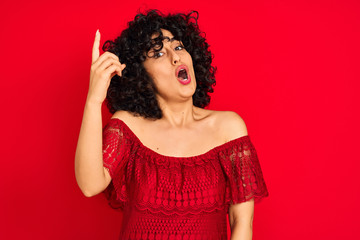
x,y
214,149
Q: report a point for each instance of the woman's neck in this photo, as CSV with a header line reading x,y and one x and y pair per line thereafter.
x,y
178,114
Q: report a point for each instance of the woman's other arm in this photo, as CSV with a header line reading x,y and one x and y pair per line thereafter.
x,y
90,174
240,214
241,217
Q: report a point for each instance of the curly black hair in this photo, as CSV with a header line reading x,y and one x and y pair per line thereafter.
x,y
135,91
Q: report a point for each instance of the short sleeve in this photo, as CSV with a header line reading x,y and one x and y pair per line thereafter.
x,y
244,177
115,158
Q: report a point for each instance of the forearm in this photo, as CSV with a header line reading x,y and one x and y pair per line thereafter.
x,y
89,169
241,231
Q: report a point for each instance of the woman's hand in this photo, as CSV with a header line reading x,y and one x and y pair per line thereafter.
x,y
103,68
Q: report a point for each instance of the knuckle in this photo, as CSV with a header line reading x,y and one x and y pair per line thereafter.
x,y
116,62
117,57
97,71
103,55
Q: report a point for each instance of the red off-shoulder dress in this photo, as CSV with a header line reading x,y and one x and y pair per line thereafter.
x,y
165,197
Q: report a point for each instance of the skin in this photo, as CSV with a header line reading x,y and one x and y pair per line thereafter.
x,y
241,220
183,131
173,95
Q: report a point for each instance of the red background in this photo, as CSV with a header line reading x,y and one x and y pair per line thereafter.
x,y
289,68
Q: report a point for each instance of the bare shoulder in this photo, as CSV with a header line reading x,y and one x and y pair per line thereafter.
x,y
127,117
121,114
232,124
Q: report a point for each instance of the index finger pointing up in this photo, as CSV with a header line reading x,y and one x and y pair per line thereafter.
x,y
95,50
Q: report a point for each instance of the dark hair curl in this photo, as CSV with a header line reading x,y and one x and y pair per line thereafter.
x,y
135,91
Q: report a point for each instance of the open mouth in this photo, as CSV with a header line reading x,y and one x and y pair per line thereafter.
x,y
182,74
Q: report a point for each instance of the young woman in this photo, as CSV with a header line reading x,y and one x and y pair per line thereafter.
x,y
174,168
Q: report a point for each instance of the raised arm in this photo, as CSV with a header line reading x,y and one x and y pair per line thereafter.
x,y
90,174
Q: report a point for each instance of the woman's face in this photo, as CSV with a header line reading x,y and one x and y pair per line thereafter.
x,y
171,69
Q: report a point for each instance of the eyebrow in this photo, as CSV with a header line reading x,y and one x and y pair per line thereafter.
x,y
170,39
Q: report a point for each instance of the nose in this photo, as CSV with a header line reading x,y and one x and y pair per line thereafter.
x,y
175,58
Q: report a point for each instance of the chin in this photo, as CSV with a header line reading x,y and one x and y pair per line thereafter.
x,y
188,93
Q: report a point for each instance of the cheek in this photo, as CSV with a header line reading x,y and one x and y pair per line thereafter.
x,y
152,70
161,76
147,68
190,63
188,57
162,73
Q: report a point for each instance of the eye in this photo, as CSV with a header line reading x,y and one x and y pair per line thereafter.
x,y
158,54
179,47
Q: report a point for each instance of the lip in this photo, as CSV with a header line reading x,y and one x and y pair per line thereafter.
x,y
187,71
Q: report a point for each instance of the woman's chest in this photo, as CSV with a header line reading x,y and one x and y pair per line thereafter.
x,y
184,142
180,185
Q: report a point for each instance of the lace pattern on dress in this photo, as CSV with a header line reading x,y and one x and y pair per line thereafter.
x,y
245,179
163,197
116,153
